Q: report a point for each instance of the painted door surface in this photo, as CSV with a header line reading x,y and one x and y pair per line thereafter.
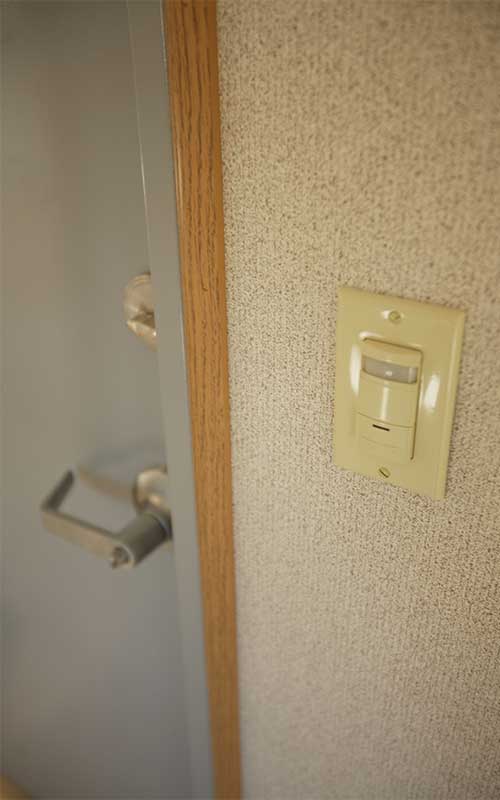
x,y
94,682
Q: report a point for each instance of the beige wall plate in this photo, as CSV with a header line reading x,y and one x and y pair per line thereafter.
x,y
436,333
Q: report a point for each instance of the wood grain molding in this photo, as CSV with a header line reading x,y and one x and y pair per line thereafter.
x,y
9,791
191,43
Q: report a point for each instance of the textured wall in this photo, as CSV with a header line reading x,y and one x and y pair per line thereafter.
x,y
361,146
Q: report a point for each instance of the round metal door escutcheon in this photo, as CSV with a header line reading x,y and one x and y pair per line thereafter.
x,y
139,308
150,490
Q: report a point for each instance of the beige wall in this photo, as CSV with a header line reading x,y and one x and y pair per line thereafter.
x,y
361,146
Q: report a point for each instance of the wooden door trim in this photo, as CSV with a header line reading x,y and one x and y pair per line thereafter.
x,y
192,61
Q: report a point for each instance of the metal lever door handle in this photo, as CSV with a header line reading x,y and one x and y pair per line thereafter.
x,y
132,544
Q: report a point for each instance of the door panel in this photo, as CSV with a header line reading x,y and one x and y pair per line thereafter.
x,y
93,703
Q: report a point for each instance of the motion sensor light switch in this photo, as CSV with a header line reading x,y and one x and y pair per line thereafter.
x,y
396,377
387,401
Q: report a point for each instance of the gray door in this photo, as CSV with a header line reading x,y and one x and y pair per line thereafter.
x,y
97,695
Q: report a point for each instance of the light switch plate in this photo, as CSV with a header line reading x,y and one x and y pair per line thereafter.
x,y
434,330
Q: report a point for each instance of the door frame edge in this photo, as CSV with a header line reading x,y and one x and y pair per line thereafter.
x,y
193,85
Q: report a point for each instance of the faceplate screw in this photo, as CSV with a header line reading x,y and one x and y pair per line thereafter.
x,y
384,472
394,316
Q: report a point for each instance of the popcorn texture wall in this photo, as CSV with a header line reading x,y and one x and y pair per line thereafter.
x,y
361,146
